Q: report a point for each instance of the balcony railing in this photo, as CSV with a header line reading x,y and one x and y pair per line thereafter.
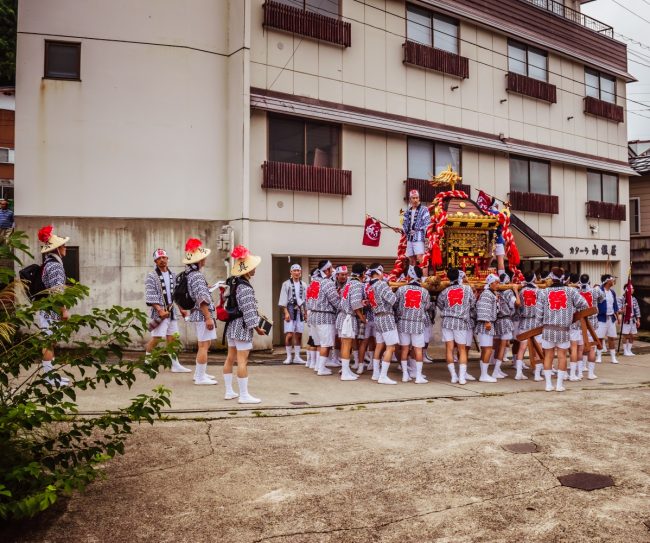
x,y
436,59
303,178
535,203
307,23
600,108
429,192
534,88
559,9
606,210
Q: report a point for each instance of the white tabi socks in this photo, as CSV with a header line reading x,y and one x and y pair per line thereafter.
x,y
59,381
419,378
612,353
519,364
383,376
599,355
573,371
244,396
497,370
289,349
355,357
321,369
485,376
592,368
561,374
200,377
583,366
405,371
548,376
375,369
346,372
462,374
296,355
538,372
177,367
452,371
230,393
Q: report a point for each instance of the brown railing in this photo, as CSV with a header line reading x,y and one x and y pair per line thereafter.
x,y
532,87
606,210
604,109
307,23
535,203
429,192
558,8
435,59
299,177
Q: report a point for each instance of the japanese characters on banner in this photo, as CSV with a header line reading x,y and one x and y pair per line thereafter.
x,y
371,232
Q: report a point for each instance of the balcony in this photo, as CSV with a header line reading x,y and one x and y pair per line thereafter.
x,y
428,192
534,203
606,210
435,59
534,88
306,23
559,9
303,178
607,110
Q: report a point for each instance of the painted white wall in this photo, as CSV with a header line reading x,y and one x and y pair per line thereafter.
x,y
7,101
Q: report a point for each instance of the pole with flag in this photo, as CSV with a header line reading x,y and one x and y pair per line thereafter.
x,y
627,313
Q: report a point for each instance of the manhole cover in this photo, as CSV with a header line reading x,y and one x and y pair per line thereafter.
x,y
521,448
298,403
586,481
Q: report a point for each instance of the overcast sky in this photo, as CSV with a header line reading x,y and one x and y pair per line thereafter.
x,y
634,27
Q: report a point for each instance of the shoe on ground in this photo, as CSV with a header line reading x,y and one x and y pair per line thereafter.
x,y
230,395
521,377
386,381
487,379
205,381
287,360
421,380
454,379
349,377
249,399
470,377
324,371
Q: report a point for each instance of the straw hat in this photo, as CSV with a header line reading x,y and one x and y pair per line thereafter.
x,y
245,262
50,241
194,251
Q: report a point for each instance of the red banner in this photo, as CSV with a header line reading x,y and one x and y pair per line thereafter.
x,y
371,232
484,201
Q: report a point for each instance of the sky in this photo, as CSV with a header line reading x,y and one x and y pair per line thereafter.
x,y
630,24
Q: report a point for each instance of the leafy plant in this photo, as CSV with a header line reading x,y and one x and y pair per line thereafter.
x,y
8,21
47,448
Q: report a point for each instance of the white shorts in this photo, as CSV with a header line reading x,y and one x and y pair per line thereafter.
x,y
506,336
606,329
203,334
240,345
369,330
485,340
389,338
167,327
427,334
324,334
554,344
294,326
459,336
470,338
576,336
629,328
414,248
416,340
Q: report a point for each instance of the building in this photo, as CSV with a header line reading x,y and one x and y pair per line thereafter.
x,y
281,124
640,225
7,142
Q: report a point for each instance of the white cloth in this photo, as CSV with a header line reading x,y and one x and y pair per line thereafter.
x,y
296,290
576,336
167,327
506,336
629,328
414,248
389,338
325,333
240,345
168,286
470,337
554,344
606,329
609,298
459,336
416,340
428,330
485,340
203,334
347,329
294,326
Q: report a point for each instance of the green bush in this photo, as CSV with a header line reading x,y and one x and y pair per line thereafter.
x,y
47,449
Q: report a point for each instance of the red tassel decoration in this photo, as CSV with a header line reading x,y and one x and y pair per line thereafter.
x,y
436,256
514,259
192,245
45,233
240,252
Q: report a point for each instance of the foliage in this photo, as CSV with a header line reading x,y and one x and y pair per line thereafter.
x,y
47,448
8,22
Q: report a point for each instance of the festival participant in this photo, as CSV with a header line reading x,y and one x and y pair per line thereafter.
x,y
631,319
54,279
350,314
367,338
312,346
382,299
340,279
455,304
322,314
525,322
414,227
202,315
412,308
587,357
555,308
608,317
292,302
507,303
239,332
159,295
486,316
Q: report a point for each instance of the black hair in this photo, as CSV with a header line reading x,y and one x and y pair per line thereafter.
x,y
418,271
313,271
358,268
584,278
453,274
321,263
573,278
529,276
605,277
374,265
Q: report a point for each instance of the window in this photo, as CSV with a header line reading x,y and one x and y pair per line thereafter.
x,y
330,8
427,157
635,216
298,141
526,60
528,175
431,29
602,187
62,60
600,86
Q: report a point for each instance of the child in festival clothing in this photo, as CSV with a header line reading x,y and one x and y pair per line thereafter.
x,y
631,318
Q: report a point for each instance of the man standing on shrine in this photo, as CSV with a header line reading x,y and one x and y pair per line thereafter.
x,y
414,227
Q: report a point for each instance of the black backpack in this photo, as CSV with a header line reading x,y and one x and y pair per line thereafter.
x,y
182,293
227,309
32,276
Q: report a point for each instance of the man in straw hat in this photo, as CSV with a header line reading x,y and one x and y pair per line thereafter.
x,y
240,330
159,295
54,279
203,312
292,302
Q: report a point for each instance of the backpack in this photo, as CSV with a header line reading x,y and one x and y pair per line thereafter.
x,y
227,309
32,275
182,293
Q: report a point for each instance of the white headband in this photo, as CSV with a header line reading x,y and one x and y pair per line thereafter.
x,y
489,280
159,253
296,267
411,273
554,277
378,269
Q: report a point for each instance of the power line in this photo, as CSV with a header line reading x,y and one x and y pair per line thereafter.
x,y
630,11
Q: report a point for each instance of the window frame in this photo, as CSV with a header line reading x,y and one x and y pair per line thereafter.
x,y
433,143
48,43
600,75
305,121
528,161
432,16
637,201
304,8
527,49
600,174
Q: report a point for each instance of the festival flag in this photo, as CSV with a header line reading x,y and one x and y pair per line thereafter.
x,y
371,232
484,201
627,317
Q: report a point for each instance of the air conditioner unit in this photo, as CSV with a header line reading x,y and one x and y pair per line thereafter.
x,y
6,155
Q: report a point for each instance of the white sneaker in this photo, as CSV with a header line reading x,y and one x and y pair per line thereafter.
x,y
462,380
614,360
487,379
421,380
560,388
298,360
405,377
205,381
550,388
525,366
231,395
386,381
324,371
60,382
454,379
470,377
287,360
521,377
592,376
249,399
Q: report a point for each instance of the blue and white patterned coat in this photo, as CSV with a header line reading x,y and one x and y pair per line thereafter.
x,y
636,311
486,311
505,310
455,305
413,303
197,286
382,299
322,302
416,231
54,278
242,328
351,299
153,293
555,308
528,308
